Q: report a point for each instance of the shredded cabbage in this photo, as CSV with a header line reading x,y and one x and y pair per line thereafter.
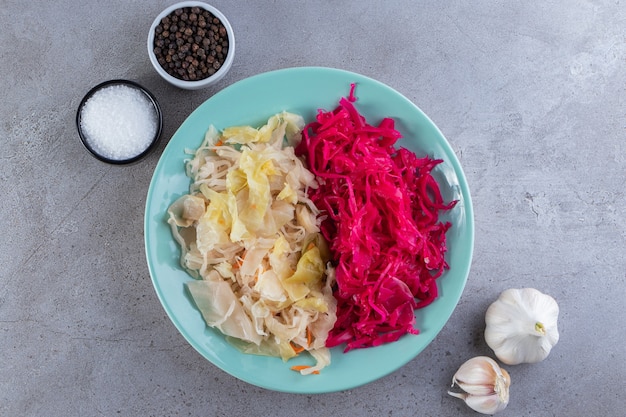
x,y
381,206
250,236
291,258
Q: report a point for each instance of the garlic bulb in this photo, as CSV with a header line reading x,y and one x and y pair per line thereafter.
x,y
521,326
486,385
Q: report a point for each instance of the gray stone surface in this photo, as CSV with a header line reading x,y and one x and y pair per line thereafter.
x,y
531,95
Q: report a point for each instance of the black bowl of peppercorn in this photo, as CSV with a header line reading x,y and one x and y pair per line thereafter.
x,y
191,45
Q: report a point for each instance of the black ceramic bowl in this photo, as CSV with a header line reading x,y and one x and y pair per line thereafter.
x,y
143,99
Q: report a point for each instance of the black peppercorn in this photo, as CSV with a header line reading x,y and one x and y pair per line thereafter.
x,y
190,43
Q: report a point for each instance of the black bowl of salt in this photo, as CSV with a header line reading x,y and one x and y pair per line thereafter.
x,y
119,121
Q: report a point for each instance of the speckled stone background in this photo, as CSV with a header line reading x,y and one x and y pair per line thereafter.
x,y
531,95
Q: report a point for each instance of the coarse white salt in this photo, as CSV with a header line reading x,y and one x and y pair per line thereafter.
x,y
119,122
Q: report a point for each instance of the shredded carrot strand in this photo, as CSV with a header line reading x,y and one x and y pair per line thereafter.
x,y
237,264
309,337
239,260
296,348
299,368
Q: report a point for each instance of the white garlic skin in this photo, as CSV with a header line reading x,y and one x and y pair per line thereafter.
x,y
485,385
521,326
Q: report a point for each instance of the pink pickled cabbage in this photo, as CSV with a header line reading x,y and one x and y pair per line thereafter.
x,y
382,206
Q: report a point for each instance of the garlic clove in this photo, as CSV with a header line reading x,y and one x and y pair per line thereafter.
x,y
489,404
477,376
485,385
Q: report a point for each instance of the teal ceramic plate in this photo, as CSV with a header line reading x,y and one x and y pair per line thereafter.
x,y
250,102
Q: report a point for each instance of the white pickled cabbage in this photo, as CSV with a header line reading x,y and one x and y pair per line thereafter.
x,y
250,235
221,309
